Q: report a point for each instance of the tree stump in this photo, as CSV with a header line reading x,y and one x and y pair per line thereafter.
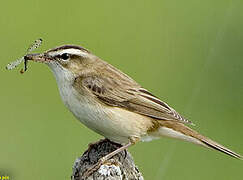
x,y
119,167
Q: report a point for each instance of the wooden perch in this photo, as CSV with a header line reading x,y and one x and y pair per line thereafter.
x,y
119,167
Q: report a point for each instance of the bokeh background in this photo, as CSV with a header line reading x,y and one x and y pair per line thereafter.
x,y
188,53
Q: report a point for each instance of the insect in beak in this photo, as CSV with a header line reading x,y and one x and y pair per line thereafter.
x,y
25,58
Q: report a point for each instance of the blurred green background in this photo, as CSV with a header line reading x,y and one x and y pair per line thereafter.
x,y
188,53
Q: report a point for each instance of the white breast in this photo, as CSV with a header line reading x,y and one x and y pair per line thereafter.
x,y
82,107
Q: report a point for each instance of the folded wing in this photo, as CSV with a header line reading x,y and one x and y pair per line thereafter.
x,y
128,95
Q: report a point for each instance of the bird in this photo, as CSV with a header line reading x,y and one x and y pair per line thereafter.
x,y
112,104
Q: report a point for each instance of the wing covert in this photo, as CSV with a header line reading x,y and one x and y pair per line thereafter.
x,y
129,96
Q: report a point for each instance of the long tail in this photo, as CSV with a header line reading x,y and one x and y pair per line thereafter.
x,y
214,145
182,132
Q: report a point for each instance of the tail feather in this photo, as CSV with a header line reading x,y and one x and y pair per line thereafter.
x,y
213,145
182,132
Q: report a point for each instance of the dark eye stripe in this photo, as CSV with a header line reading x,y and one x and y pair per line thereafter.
x,y
66,56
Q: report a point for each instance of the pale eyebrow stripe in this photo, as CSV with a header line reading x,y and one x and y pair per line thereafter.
x,y
69,47
77,52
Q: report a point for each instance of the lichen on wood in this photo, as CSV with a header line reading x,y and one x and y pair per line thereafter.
x,y
119,167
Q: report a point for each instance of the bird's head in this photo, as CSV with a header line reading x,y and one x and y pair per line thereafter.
x,y
71,60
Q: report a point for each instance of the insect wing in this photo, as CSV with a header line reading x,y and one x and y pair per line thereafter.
x,y
35,45
32,47
14,64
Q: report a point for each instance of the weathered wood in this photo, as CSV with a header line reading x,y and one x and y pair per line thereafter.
x,y
119,167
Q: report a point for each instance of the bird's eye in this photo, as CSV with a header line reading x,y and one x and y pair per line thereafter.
x,y
65,56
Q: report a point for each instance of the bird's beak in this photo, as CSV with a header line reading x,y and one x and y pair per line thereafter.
x,y
43,58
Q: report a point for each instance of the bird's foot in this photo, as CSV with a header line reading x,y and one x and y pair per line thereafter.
x,y
95,167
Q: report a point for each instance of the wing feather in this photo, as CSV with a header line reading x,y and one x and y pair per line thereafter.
x,y
136,99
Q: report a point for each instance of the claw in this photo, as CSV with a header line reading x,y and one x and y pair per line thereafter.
x,y
94,168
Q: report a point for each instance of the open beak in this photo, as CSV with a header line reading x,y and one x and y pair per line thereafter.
x,y
37,57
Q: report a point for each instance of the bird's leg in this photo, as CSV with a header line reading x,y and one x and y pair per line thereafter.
x,y
108,156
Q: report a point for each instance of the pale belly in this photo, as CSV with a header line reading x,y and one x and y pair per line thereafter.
x,y
114,123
